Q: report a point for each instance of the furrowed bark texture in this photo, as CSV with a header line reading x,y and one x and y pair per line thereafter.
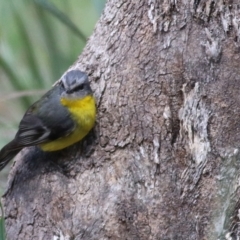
x,y
163,159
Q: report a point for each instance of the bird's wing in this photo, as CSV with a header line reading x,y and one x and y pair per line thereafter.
x,y
32,131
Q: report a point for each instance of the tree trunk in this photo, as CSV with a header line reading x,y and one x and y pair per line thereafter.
x,y
163,159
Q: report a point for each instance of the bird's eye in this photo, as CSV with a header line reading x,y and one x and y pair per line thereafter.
x,y
79,87
75,88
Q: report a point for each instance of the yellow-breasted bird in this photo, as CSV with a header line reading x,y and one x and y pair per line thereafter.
x,y
62,117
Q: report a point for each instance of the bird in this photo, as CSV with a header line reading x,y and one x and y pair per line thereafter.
x,y
60,118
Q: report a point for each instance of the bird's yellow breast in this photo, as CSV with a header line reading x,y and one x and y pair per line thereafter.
x,y
83,112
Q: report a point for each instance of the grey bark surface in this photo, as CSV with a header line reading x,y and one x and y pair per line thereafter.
x,y
163,159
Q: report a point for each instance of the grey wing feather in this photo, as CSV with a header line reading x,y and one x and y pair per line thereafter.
x,y
31,131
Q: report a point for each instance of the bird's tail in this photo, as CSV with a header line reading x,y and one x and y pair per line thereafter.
x,y
7,153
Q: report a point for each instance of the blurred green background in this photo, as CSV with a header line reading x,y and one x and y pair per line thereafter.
x,y
39,40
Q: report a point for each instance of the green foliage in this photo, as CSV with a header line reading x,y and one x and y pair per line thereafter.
x,y
61,17
2,225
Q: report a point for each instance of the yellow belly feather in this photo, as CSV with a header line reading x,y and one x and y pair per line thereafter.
x,y
83,112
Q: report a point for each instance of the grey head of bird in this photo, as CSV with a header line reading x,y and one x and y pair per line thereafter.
x,y
75,84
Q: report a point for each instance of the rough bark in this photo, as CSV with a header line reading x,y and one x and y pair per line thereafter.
x,y
163,159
